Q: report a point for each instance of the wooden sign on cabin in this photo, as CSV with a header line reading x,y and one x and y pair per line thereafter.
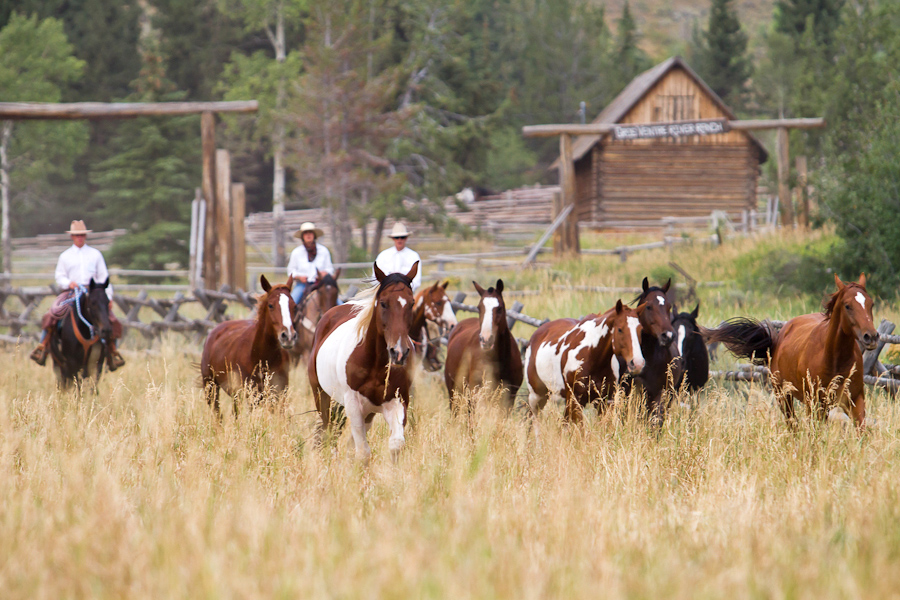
x,y
687,164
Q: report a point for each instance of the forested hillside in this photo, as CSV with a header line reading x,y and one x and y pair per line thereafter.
x,y
381,107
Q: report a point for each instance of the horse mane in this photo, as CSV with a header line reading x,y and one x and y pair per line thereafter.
x,y
643,295
830,301
261,299
364,301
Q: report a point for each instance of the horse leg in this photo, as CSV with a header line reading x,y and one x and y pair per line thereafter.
x,y
353,407
323,405
393,412
574,413
858,409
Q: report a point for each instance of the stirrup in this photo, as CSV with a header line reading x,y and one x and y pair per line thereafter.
x,y
39,355
115,360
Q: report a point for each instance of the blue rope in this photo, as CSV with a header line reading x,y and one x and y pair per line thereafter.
x,y
79,292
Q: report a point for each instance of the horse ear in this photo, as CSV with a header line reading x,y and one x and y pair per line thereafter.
x,y
413,271
266,286
645,284
446,283
379,274
92,284
478,288
696,311
862,279
290,282
337,274
619,307
105,284
499,286
665,288
838,282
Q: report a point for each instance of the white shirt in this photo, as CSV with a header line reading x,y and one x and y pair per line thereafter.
x,y
299,265
81,265
391,261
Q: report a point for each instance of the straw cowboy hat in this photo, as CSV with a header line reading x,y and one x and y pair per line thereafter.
x,y
78,228
308,226
399,230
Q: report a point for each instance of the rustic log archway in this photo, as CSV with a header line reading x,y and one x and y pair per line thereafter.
x,y
222,262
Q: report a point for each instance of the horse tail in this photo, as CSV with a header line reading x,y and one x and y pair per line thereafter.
x,y
747,338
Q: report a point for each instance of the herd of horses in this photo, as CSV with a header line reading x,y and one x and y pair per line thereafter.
x,y
361,355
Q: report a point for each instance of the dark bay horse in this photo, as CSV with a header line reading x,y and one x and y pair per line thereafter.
x,y
582,361
432,306
813,353
662,369
318,299
78,349
483,352
692,347
251,353
360,359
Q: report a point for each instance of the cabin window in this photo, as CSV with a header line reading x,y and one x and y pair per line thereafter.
x,y
675,108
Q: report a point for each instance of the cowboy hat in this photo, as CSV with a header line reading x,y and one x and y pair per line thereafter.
x,y
78,228
399,230
308,226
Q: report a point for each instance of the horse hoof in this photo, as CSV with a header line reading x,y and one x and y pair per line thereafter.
x,y
395,456
835,415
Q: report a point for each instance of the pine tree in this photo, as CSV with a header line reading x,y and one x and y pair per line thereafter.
x,y
723,61
628,58
792,18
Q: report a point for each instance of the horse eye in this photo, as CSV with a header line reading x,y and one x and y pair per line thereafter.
x,y
383,304
620,330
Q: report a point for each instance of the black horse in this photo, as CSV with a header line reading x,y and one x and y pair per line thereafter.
x,y
78,347
692,347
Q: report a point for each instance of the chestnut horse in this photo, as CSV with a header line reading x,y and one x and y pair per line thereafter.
x,y
483,352
251,352
432,306
319,298
360,356
583,360
658,351
814,352
692,348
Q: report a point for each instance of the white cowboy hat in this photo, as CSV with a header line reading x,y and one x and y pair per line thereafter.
x,y
399,230
78,228
308,226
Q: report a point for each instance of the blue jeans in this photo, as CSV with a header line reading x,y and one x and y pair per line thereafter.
x,y
297,292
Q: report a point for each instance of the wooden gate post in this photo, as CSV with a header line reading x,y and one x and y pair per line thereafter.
x,y
238,211
568,238
784,171
223,216
208,141
802,192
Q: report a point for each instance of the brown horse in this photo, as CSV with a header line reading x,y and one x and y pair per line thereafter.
x,y
813,353
318,299
251,352
360,357
483,352
583,360
432,306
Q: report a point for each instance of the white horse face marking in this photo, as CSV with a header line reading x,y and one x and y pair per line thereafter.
x,y
490,305
861,299
448,318
661,300
285,303
402,302
638,357
614,365
681,335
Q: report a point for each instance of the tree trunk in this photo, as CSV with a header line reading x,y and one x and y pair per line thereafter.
x,y
376,237
4,192
278,149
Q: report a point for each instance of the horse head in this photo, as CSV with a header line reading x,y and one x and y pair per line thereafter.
x,y
656,320
394,312
96,308
491,313
685,326
853,306
328,291
437,307
626,330
275,310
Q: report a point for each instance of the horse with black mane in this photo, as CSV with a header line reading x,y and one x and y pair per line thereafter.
x,y
78,344
692,348
318,298
814,357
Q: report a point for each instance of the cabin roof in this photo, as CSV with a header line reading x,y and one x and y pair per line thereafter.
x,y
635,91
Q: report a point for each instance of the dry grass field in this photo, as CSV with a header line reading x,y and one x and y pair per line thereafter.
x,y
140,492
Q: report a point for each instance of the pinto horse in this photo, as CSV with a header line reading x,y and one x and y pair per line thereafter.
x,y
319,298
813,353
583,360
360,359
657,348
432,306
251,352
78,349
692,348
483,352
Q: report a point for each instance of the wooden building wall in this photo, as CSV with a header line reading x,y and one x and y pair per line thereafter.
x,y
644,180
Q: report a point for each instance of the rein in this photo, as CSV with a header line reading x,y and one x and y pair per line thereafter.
x,y
86,344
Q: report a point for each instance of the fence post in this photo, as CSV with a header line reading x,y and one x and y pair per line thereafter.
x,y
870,357
459,298
517,307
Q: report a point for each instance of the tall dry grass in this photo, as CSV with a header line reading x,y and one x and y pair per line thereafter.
x,y
140,492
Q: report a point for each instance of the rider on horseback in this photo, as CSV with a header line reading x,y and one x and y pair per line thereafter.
x,y
309,261
76,267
